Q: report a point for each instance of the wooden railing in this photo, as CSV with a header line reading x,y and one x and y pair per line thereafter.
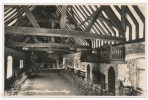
x,y
110,53
117,53
104,54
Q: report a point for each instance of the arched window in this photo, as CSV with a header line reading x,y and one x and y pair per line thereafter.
x,y
9,67
21,64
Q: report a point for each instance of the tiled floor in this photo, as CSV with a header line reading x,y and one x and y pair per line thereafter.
x,y
48,84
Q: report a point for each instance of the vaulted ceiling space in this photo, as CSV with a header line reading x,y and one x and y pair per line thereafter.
x,y
67,29
98,44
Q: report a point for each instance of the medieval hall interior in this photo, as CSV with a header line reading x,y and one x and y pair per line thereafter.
x,y
74,50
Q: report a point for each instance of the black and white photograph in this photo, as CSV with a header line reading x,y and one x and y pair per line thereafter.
x,y
74,50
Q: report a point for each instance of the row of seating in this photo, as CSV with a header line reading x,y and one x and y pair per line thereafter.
x,y
16,88
42,69
86,88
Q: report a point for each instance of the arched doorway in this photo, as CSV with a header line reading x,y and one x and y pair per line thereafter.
x,y
88,73
111,81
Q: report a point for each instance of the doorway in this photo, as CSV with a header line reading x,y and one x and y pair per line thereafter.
x,y
111,81
88,73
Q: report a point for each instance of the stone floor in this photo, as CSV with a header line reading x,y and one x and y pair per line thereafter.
x,y
48,84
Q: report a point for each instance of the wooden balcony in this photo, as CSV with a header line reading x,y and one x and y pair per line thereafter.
x,y
104,54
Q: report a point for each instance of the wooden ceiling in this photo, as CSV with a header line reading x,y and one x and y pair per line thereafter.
x,y
73,27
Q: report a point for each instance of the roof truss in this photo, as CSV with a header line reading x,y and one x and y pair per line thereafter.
x,y
59,33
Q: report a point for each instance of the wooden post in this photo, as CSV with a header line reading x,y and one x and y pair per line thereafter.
x,y
63,17
123,18
57,63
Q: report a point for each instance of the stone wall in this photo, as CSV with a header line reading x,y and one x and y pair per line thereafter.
x,y
135,58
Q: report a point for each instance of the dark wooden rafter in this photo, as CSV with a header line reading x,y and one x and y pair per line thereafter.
x,y
25,20
74,10
43,45
22,22
139,13
88,41
21,38
53,49
63,20
102,18
77,28
31,17
107,21
112,16
15,37
102,30
109,33
127,22
113,30
20,16
123,17
129,42
27,39
79,19
70,16
99,25
135,22
130,31
47,20
94,18
141,17
32,20
59,32
89,18
70,13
